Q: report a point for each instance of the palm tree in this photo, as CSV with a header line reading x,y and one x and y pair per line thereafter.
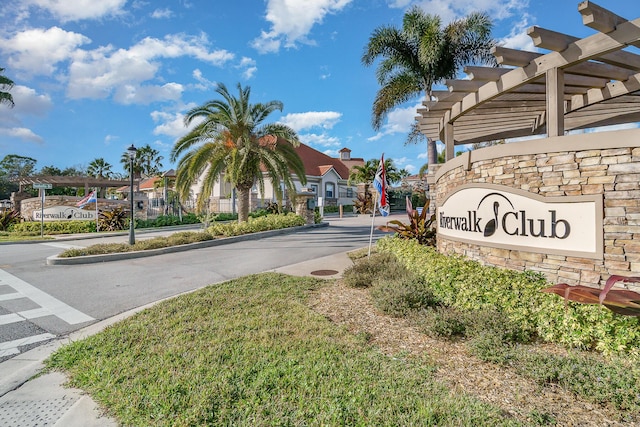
x,y
5,85
99,168
147,162
150,160
421,54
231,138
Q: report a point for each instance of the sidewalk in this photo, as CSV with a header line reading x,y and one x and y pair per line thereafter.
x,y
44,401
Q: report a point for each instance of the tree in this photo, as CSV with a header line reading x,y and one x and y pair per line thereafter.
x,y
421,54
5,86
147,162
12,167
231,137
99,168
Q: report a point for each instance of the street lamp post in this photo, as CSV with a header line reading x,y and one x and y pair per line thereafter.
x,y
131,151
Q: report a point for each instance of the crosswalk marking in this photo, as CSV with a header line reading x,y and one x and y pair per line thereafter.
x,y
9,348
44,300
10,318
7,297
61,245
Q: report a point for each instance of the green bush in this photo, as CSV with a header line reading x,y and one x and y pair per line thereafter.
x,y
469,286
180,238
254,225
367,270
402,294
55,227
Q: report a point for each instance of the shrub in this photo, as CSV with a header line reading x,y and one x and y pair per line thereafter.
x,y
9,218
442,322
421,225
402,294
469,286
254,225
363,273
113,220
55,227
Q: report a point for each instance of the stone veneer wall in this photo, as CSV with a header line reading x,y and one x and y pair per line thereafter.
x,y
606,163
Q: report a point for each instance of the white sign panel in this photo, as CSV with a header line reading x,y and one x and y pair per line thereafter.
x,y
64,213
499,216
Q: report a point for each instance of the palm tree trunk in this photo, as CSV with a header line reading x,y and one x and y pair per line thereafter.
x,y
243,204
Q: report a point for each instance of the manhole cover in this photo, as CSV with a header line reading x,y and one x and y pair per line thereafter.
x,y
324,272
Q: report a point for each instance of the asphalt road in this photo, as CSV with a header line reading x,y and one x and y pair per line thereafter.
x,y
40,302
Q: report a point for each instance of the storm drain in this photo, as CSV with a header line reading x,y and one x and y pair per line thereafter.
x,y
324,272
34,413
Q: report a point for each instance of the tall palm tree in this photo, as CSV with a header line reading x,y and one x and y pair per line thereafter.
x,y
146,163
5,85
100,168
231,138
421,54
150,160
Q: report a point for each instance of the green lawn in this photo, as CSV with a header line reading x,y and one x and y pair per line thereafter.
x,y
250,352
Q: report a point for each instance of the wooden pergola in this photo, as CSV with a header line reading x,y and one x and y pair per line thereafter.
x,y
579,84
72,181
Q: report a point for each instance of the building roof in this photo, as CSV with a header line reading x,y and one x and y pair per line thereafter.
x,y
317,163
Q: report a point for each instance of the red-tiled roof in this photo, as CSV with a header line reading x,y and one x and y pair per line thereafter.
x,y
317,163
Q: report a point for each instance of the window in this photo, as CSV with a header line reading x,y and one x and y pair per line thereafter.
x,y
314,188
329,190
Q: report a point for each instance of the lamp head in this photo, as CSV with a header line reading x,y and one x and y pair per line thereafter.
x,y
131,151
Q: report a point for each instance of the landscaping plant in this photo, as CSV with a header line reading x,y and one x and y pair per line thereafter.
x,y
113,220
8,218
421,225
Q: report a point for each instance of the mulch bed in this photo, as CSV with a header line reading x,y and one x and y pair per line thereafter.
x,y
460,371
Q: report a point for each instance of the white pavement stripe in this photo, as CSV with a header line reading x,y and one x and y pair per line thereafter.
x,y
14,295
9,348
10,318
44,300
35,313
62,245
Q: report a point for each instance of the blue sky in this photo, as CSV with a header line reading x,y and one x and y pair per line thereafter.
x,y
93,77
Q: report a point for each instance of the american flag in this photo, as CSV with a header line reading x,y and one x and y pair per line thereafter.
x,y
380,182
89,198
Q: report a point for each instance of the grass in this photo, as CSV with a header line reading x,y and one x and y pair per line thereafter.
x,y
250,352
7,236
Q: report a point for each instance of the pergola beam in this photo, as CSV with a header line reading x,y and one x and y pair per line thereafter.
x,y
598,18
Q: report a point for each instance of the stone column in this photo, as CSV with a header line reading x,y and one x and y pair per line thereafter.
x,y
303,200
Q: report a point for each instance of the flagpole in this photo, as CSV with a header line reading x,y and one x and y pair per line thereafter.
x,y
373,217
97,222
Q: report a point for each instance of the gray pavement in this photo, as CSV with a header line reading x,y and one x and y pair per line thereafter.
x,y
28,399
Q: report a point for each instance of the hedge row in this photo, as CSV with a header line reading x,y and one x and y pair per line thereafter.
x,y
468,285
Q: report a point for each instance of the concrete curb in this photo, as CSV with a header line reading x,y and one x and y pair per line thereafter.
x,y
90,259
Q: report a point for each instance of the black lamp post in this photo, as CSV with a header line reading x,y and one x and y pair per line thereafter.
x,y
131,152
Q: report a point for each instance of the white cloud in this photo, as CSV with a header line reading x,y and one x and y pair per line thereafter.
x,y
170,124
322,140
76,10
291,22
249,67
162,14
450,10
38,51
205,84
132,94
109,138
518,38
28,101
98,73
398,121
22,133
311,119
